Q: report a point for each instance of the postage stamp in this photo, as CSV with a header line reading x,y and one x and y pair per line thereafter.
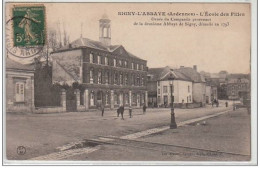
x,y
29,25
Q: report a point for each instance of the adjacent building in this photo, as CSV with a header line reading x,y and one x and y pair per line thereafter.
x,y
111,75
19,87
198,83
159,91
236,87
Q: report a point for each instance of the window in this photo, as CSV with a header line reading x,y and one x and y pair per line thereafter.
x,y
159,91
107,77
121,79
133,79
190,98
126,79
142,67
158,83
116,79
99,59
188,89
137,66
165,89
106,61
114,63
91,58
99,77
120,63
142,82
126,64
132,65
19,94
91,76
138,80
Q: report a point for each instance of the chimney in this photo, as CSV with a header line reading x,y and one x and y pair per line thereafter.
x,y
195,67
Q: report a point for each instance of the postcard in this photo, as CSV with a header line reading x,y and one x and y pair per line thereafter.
x,y
112,83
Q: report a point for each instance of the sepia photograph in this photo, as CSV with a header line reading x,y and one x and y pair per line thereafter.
x,y
129,83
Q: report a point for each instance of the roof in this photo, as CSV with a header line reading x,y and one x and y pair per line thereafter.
x,y
85,42
163,74
11,64
192,74
238,80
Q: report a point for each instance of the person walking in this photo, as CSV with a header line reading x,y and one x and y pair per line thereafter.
x,y
144,109
102,110
130,112
122,111
226,104
118,111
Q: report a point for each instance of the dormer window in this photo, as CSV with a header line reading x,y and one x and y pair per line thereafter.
x,y
114,62
106,61
99,60
91,58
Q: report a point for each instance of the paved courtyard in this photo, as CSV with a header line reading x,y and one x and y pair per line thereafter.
x,y
42,134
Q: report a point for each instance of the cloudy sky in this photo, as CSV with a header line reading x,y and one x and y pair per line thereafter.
x,y
210,48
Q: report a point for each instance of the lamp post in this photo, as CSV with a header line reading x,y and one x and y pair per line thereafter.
x,y
173,124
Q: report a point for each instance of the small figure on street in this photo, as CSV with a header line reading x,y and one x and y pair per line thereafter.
x,y
144,109
102,110
118,111
217,103
122,109
130,112
226,104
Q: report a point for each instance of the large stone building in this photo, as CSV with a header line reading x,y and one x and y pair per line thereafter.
x,y
159,91
111,75
19,87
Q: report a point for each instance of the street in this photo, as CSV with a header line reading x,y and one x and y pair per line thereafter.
x,y
44,134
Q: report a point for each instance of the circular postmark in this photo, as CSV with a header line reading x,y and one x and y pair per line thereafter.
x,y
24,51
21,150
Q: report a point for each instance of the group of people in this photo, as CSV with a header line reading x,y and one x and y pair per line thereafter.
x,y
121,110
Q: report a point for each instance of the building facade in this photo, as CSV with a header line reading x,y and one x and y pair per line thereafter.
x,y
198,83
111,75
181,89
237,86
19,87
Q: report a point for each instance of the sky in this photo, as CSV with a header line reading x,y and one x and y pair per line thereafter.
x,y
212,49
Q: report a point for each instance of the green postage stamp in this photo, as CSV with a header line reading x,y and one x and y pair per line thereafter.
x,y
29,26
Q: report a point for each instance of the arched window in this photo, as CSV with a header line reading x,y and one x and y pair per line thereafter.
x,y
92,103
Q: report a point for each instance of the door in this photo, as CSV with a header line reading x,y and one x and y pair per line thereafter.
x,y
138,100
165,100
19,93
